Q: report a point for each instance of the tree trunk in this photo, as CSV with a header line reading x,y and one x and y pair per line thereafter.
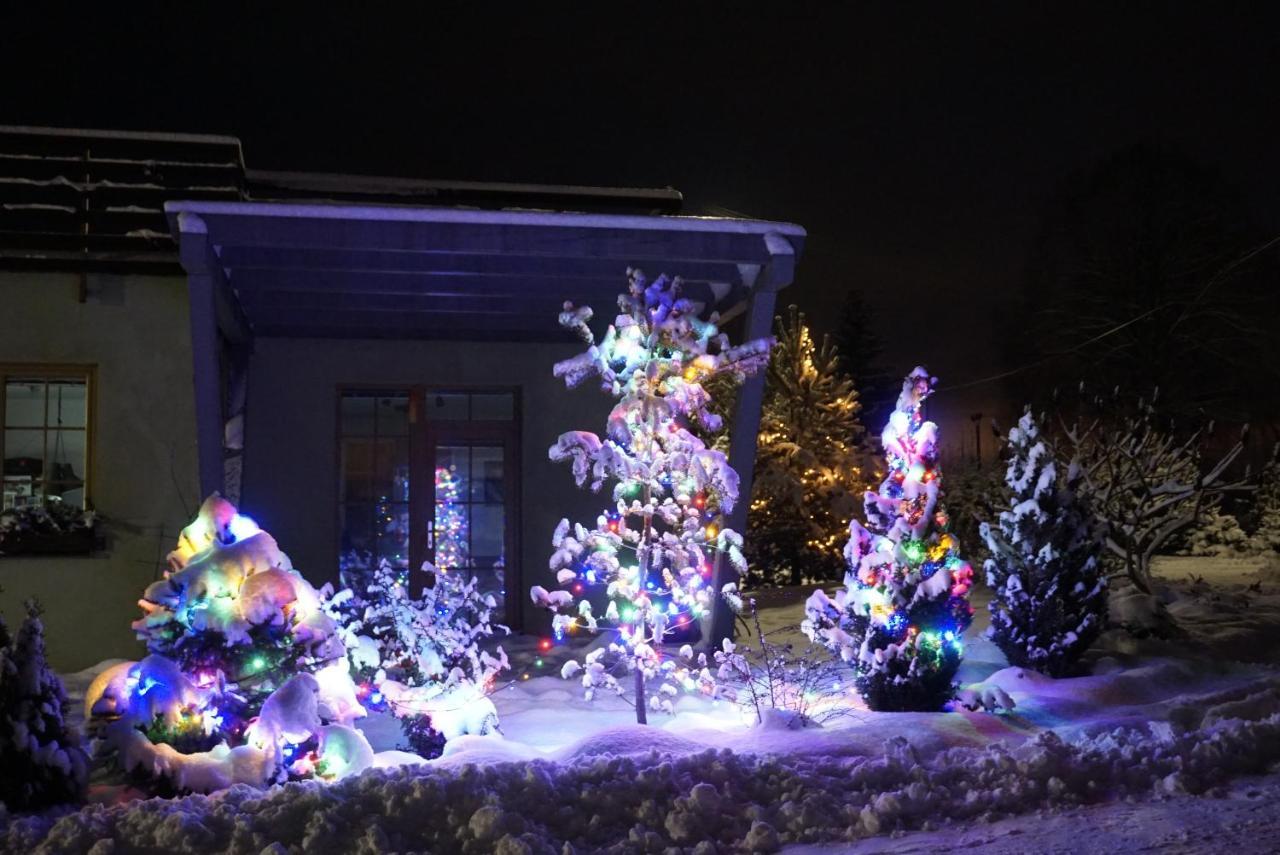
x,y
641,714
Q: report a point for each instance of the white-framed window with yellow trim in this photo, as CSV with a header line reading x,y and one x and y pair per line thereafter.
x,y
46,445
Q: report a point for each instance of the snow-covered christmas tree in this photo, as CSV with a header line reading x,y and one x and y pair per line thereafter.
x,y
655,549
1050,590
42,762
905,604
247,680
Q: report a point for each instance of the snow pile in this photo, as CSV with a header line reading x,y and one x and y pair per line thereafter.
x,y
602,792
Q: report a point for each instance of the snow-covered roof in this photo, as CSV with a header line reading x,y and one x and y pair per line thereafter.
x,y
374,271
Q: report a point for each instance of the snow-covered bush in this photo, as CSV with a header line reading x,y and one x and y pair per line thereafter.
x,y
422,655
656,550
905,604
42,762
247,680
1216,535
775,682
1146,484
1049,588
1265,539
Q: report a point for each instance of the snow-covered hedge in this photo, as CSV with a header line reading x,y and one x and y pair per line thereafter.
x,y
608,792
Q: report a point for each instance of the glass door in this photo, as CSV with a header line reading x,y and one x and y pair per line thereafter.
x,y
432,475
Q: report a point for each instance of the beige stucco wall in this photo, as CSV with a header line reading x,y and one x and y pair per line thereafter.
x,y
135,330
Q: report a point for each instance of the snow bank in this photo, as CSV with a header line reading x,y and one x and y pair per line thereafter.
x,y
677,797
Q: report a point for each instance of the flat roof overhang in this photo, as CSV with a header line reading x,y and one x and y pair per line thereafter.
x,y
339,271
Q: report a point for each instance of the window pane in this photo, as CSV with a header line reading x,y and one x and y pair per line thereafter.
x,y
24,452
486,474
357,413
67,403
393,415
391,477
24,403
452,472
392,526
486,535
356,479
493,407
446,406
450,531
65,456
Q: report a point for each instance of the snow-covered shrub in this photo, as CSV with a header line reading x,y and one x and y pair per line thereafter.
x,y
422,655
42,762
777,682
1049,588
1216,535
1146,484
905,604
247,679
657,549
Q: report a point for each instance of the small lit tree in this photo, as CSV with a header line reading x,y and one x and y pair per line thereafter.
x,y
905,603
812,465
655,549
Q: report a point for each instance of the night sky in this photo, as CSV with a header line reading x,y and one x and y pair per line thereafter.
x,y
917,148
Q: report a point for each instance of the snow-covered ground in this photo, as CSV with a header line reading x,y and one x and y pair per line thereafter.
x,y
1168,744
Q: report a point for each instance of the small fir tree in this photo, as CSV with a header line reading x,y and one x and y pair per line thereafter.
x,y
656,548
905,604
811,460
41,756
1045,569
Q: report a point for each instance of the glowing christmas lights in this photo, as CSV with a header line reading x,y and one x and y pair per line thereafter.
x,y
905,602
666,527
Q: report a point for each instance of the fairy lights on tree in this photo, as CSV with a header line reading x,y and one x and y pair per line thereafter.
x,y
905,603
450,529
655,549
247,678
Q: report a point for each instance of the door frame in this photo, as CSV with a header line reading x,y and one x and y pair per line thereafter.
x,y
424,436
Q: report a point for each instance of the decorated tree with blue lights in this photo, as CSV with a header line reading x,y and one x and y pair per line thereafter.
x,y
905,604
246,680
654,550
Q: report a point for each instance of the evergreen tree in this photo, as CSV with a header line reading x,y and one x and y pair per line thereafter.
x,y
42,762
861,353
905,603
811,462
656,549
1050,590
